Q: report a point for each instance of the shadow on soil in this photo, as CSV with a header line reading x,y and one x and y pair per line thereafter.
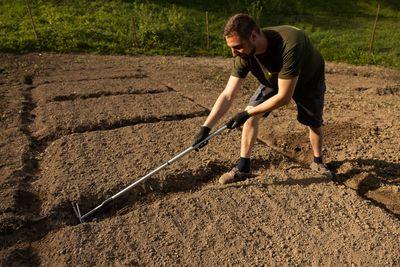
x,y
375,172
153,189
35,226
303,182
364,175
22,256
156,188
261,165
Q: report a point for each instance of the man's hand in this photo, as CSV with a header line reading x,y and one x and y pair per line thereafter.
x,y
238,120
203,134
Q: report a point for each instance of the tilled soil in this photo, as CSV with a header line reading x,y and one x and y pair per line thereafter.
x,y
86,168
65,91
88,126
57,118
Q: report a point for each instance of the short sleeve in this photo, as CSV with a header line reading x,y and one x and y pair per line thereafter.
x,y
291,63
240,68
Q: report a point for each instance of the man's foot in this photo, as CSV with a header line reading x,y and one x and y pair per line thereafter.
x,y
233,176
322,169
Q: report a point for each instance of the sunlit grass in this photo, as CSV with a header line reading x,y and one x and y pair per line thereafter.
x,y
340,29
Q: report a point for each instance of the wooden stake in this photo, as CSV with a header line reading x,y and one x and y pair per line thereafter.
x,y
133,31
207,32
371,46
31,18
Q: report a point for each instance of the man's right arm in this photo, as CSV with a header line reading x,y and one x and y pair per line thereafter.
x,y
224,101
220,107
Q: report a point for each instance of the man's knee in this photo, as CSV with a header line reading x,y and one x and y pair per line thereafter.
x,y
253,120
317,130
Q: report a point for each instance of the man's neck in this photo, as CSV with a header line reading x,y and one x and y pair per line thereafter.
x,y
262,44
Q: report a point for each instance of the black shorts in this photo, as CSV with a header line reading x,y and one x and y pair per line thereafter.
x,y
309,101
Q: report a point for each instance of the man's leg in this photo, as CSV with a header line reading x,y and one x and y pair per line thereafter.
x,y
249,135
316,138
310,113
310,105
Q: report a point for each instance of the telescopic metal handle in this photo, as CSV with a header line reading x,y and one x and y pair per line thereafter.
x,y
183,153
175,158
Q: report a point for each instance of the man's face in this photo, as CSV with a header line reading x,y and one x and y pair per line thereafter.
x,y
240,47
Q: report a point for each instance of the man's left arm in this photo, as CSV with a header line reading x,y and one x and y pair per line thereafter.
x,y
285,93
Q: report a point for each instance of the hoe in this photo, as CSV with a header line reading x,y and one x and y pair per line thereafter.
x,y
169,162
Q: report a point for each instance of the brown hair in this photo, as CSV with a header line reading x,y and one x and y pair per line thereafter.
x,y
241,25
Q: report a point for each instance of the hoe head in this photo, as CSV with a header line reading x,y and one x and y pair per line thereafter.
x,y
82,217
77,211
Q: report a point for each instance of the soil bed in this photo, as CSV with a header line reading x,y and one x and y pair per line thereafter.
x,y
57,118
64,91
85,75
90,167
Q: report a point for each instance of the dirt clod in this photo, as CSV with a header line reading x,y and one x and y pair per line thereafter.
x,y
27,79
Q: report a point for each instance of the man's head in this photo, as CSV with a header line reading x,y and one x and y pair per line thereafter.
x,y
240,33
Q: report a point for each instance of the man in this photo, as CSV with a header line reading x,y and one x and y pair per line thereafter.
x,y
287,66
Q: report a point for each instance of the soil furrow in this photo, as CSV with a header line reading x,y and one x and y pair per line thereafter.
x,y
119,124
70,97
85,89
27,203
36,228
185,96
30,162
20,255
150,191
60,118
117,77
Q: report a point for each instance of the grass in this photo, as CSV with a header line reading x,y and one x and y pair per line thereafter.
x,y
340,29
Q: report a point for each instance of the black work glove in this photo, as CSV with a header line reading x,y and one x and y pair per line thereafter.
x,y
238,120
203,134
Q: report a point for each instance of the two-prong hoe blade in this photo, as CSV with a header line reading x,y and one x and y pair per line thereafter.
x,y
77,211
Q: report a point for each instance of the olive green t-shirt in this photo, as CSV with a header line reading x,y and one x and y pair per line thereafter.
x,y
289,54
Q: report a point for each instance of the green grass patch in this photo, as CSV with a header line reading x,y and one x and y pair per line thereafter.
x,y
340,29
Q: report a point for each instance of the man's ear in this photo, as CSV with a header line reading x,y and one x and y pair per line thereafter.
x,y
253,36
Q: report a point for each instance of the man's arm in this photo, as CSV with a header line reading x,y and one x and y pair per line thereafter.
x,y
224,101
285,92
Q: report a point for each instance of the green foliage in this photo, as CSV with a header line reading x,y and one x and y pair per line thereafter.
x,y
341,29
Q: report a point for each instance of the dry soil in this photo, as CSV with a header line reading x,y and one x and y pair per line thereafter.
x,y
79,128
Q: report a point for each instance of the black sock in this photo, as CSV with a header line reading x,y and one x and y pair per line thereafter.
x,y
244,165
318,159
